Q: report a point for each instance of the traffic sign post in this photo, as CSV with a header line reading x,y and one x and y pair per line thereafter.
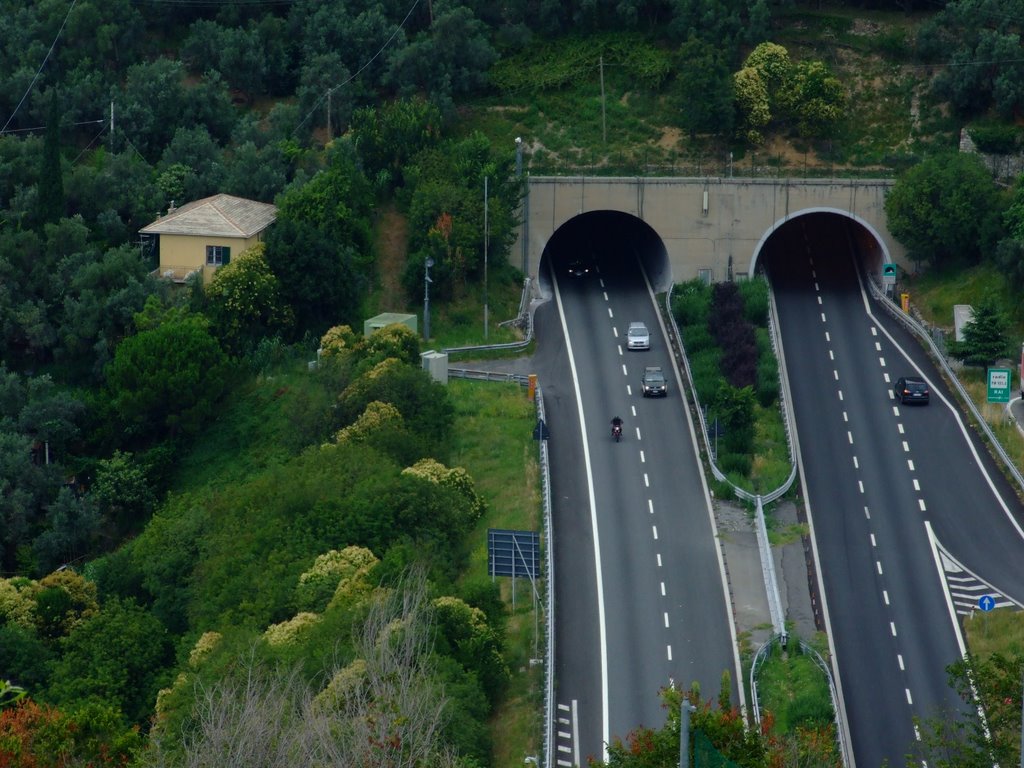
x,y
888,274
999,385
986,603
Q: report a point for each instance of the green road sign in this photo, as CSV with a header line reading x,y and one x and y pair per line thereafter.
x,y
888,274
999,385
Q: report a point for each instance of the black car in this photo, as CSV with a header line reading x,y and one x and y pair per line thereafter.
x,y
911,389
654,382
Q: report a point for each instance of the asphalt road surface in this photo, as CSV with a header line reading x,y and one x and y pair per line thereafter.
x,y
887,487
639,580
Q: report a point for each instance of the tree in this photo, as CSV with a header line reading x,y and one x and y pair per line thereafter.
x,y
316,273
165,381
704,88
752,104
388,137
118,656
72,525
985,339
101,298
122,492
245,303
946,210
51,176
814,99
384,708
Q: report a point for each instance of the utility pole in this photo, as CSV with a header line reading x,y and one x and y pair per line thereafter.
x,y
426,297
330,93
487,237
111,126
604,129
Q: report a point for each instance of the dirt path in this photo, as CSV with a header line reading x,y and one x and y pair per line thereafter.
x,y
392,249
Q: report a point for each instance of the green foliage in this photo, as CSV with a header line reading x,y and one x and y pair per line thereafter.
x,y
122,491
166,380
557,63
996,138
985,336
465,635
734,408
389,137
946,210
118,656
244,302
691,303
423,403
754,295
51,175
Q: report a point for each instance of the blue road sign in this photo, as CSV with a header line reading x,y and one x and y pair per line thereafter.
x,y
986,602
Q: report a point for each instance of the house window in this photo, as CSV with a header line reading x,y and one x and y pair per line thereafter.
x,y
704,275
217,255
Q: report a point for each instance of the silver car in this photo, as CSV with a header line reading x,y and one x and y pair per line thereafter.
x,y
638,337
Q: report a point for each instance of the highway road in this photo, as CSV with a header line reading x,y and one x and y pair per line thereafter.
x,y
887,486
639,578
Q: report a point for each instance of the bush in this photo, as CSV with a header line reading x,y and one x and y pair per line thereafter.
x,y
691,303
999,139
754,293
697,338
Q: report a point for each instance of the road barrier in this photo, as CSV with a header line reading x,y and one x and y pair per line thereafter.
x,y
548,549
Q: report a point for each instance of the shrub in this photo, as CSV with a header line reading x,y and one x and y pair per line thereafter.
x,y
691,303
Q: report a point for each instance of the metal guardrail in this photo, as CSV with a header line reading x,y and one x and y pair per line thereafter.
x,y
524,316
741,493
549,560
915,327
476,375
771,584
549,563
764,652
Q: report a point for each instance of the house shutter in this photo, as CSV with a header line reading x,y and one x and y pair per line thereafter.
x,y
225,254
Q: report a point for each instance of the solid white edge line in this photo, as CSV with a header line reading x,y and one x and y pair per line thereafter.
x,y
575,734
954,411
957,632
717,539
602,630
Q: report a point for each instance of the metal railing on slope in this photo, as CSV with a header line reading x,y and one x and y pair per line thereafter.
x,y
549,562
764,547
771,585
918,329
525,316
762,655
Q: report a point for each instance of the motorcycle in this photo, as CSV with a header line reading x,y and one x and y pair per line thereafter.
x,y
617,432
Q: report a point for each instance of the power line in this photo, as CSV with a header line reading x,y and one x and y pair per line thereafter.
x,y
43,127
38,71
352,77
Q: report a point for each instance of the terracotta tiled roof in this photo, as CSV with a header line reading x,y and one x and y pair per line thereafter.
x,y
217,216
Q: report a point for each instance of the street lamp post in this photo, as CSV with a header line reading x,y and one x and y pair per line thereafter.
x,y
685,708
426,297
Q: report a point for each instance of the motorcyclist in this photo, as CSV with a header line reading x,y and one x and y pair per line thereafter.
x,y
616,426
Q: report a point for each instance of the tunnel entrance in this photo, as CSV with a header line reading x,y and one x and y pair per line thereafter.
x,y
828,233
604,240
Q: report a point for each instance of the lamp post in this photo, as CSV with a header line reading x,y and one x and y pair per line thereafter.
x,y
685,708
426,297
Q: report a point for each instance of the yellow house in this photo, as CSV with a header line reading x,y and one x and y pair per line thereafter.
x,y
202,236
